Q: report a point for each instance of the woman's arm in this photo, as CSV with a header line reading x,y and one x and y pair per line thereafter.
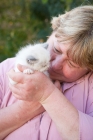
x,y
17,114
14,116
64,114
40,88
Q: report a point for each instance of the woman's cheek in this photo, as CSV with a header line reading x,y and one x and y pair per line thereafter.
x,y
68,73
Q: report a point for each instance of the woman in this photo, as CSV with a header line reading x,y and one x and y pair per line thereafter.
x,y
69,107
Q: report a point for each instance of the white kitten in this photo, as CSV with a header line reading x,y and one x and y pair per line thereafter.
x,y
35,57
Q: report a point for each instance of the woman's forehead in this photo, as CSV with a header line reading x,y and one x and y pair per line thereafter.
x,y
62,46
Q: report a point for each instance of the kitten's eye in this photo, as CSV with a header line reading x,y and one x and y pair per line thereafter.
x,y
55,50
31,59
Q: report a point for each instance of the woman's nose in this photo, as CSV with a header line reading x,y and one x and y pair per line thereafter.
x,y
60,59
58,62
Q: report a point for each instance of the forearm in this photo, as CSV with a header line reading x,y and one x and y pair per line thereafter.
x,y
16,115
64,114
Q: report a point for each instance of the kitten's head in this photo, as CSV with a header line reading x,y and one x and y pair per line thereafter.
x,y
36,56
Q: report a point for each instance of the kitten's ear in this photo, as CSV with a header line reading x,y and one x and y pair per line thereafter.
x,y
31,59
45,45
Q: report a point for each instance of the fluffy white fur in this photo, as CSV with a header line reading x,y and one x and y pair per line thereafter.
x,y
35,57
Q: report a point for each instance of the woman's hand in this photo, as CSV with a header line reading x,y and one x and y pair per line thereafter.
x,y
33,87
58,85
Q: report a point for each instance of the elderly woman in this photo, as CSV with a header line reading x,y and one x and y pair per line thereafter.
x,y
59,111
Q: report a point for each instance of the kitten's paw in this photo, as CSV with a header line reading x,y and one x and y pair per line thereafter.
x,y
28,71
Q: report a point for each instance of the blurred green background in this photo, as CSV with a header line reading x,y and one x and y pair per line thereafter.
x,y
28,21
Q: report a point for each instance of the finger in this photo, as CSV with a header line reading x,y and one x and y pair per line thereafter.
x,y
15,89
21,67
16,76
17,96
57,84
18,91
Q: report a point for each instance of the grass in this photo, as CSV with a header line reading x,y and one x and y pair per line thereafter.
x,y
16,27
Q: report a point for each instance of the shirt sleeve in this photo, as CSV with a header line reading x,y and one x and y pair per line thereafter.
x,y
86,126
86,119
5,66
0,91
1,82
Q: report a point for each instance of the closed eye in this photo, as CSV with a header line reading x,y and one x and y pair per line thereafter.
x,y
55,50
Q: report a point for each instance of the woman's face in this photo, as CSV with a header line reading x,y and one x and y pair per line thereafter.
x,y
61,66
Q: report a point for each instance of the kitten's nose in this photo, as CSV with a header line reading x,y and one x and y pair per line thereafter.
x,y
31,59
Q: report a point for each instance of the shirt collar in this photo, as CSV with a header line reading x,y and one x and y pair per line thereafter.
x,y
66,85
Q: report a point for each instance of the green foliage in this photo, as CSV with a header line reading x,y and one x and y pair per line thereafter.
x,y
26,21
76,3
42,11
15,27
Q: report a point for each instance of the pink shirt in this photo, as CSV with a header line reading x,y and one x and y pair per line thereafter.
x,y
79,93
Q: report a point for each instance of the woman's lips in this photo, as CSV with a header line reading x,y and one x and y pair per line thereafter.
x,y
51,70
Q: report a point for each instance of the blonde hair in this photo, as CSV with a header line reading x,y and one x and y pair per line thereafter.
x,y
76,28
